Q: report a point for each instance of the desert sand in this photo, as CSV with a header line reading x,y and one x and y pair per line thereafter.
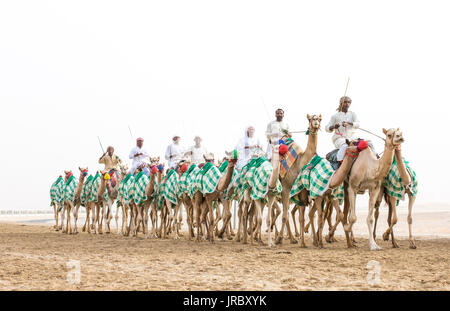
x,y
34,257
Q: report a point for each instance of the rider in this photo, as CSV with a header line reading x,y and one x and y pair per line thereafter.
x,y
138,154
276,130
174,152
111,162
246,146
343,123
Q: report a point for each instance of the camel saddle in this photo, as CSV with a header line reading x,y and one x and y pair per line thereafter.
x,y
289,158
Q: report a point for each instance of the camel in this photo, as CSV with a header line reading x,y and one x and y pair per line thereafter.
x,y
288,180
154,204
368,173
73,197
409,187
327,198
57,199
123,174
140,208
203,203
97,197
259,202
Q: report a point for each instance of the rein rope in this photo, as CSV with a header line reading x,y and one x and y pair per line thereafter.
x,y
373,134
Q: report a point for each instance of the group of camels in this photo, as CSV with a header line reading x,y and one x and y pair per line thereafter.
x,y
161,196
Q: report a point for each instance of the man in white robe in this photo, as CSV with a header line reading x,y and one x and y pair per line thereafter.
x,y
138,154
197,151
276,130
343,123
174,152
247,146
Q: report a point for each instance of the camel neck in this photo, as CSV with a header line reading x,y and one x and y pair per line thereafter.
x,y
385,162
101,191
311,146
276,169
226,179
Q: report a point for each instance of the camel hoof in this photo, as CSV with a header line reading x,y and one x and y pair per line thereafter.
x,y
375,247
386,236
328,239
302,245
412,246
395,245
294,241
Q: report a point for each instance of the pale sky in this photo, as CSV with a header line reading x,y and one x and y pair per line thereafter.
x,y
72,71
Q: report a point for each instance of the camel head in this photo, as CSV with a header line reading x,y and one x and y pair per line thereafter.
x,y
83,171
257,153
394,137
314,122
67,174
123,169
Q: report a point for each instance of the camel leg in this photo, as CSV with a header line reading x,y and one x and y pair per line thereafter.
x,y
75,218
55,210
285,218
320,220
376,214
218,218
226,217
293,218
175,221
259,205
373,193
63,230
116,218
211,230
301,221
312,211
349,215
392,220
277,212
240,220
411,199
330,237
69,224
245,217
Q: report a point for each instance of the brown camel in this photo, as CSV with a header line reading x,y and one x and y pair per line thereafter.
x,y
288,180
336,180
97,202
75,204
258,204
203,204
368,173
406,180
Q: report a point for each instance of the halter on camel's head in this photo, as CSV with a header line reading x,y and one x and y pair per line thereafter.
x,y
394,137
123,169
67,175
314,123
209,157
83,171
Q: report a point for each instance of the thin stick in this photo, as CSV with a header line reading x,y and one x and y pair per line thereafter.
x,y
100,144
130,132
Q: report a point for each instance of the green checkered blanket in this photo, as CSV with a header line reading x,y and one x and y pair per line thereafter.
x,y
254,175
168,188
393,182
85,191
69,188
126,189
207,179
315,177
186,181
57,192
95,187
140,184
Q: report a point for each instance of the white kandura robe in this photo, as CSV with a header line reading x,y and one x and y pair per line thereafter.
x,y
343,133
174,153
246,154
139,159
274,133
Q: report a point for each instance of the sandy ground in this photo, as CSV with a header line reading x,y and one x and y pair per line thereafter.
x,y
34,257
